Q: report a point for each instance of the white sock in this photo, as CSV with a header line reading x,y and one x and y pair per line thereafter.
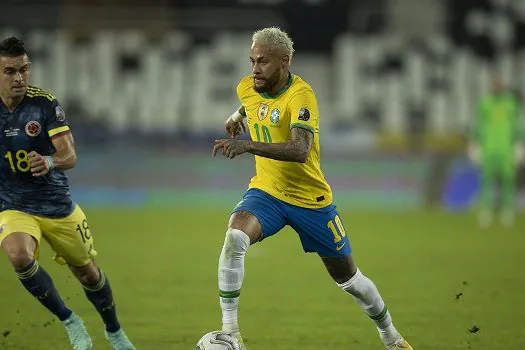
x,y
367,296
231,274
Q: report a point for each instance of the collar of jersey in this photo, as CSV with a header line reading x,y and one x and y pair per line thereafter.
x,y
4,107
280,92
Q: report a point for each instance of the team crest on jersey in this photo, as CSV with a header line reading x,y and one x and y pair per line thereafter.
x,y
274,117
33,128
304,114
60,114
263,111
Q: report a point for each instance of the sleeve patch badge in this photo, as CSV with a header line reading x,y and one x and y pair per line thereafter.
x,y
304,114
60,114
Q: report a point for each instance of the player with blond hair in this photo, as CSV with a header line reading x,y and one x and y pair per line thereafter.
x,y
289,187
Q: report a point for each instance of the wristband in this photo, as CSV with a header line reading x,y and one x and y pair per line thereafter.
x,y
236,117
50,162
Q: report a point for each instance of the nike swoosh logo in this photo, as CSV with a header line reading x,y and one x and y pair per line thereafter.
x,y
340,247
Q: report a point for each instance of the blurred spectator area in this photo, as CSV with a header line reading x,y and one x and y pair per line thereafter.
x,y
387,73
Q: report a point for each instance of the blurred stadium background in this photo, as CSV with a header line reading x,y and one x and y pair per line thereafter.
x,y
397,81
147,85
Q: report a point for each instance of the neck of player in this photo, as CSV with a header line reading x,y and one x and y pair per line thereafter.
x,y
11,102
282,83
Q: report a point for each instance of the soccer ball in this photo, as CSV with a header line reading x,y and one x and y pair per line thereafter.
x,y
218,340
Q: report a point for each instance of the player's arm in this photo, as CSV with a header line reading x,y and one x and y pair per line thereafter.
x,y
64,158
303,124
235,124
242,112
296,149
60,135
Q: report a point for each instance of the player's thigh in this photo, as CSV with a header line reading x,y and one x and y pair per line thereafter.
x,y
265,208
70,238
13,221
320,230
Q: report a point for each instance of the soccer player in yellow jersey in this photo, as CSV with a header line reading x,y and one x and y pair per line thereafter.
x,y
289,187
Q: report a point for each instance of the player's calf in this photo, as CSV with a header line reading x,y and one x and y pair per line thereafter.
x,y
99,293
231,274
367,296
20,248
349,278
88,274
38,282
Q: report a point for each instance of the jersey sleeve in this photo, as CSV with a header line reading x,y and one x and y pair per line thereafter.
x,y
56,123
303,111
242,87
239,91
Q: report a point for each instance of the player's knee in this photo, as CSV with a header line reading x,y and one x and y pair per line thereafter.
x,y
353,284
88,279
87,275
236,244
247,223
20,249
20,256
341,269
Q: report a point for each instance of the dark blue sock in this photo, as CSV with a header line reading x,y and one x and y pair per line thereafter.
x,y
37,282
101,297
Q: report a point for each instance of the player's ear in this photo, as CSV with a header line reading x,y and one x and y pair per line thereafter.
x,y
285,61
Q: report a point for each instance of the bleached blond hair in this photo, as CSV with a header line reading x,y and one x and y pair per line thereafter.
x,y
276,37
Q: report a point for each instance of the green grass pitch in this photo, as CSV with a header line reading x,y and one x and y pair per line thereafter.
x,y
163,266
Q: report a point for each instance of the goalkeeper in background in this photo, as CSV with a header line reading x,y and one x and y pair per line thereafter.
x,y
497,147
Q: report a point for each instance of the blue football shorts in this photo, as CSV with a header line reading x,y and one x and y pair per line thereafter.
x,y
320,230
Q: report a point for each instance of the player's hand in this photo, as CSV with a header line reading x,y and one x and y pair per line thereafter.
x,y
234,129
39,165
474,153
230,147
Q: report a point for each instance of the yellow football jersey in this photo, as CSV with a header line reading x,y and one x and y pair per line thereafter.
x,y
270,119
